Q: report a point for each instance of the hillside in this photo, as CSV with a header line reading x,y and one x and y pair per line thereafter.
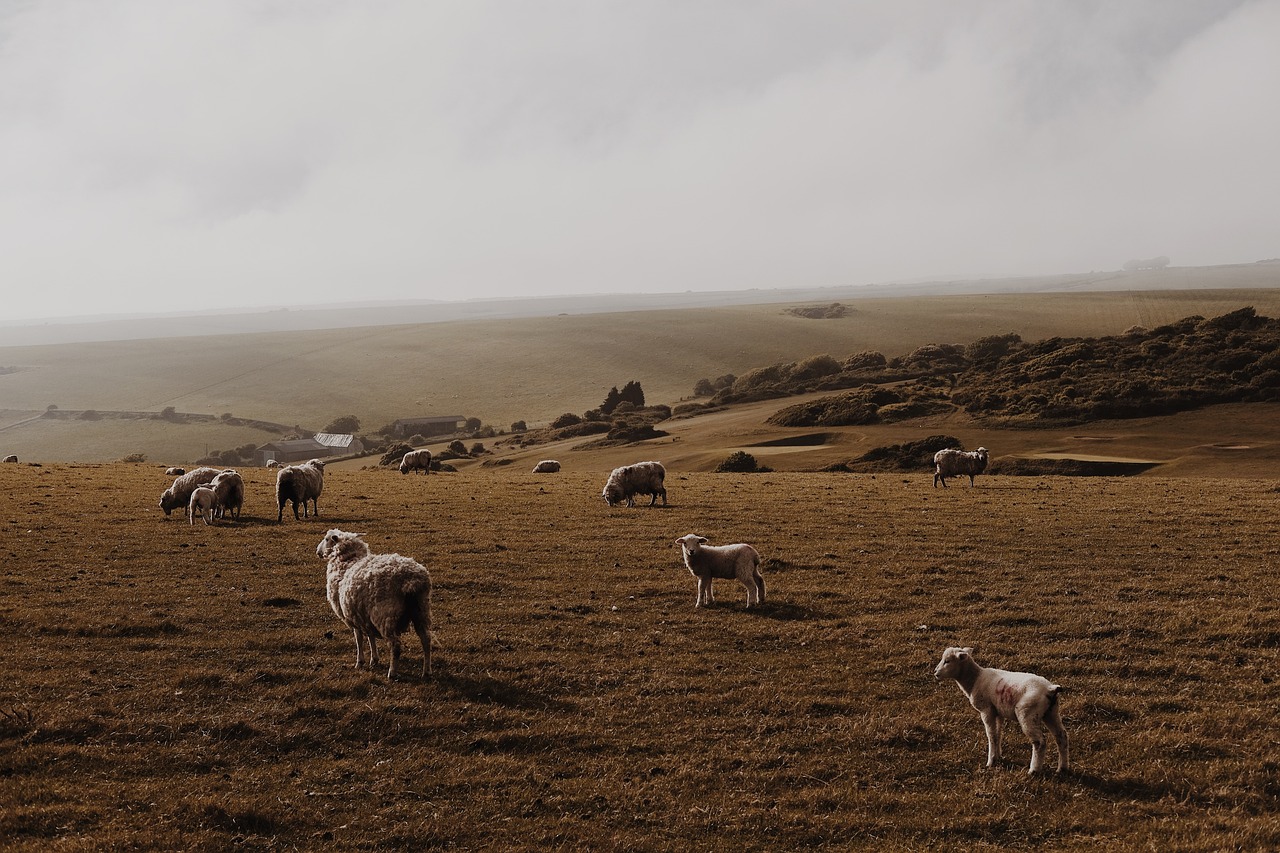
x,y
500,371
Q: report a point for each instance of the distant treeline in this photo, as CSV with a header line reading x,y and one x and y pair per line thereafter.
x,y
1006,381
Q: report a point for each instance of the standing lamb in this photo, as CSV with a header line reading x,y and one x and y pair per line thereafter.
x,y
377,596
952,463
999,695
179,494
201,502
228,494
642,478
707,562
547,466
416,460
299,484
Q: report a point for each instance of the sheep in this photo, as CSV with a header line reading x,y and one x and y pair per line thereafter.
x,y
547,466
416,460
999,695
228,492
179,494
642,478
201,502
299,484
952,463
175,472
12,457
707,562
377,596
274,463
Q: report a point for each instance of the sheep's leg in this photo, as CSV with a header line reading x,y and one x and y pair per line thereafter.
x,y
991,722
425,636
759,579
374,663
1033,728
394,641
359,648
704,585
1054,720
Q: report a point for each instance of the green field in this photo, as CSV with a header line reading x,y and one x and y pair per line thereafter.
x,y
171,686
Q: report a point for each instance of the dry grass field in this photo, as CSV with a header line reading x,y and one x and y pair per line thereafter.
x,y
186,687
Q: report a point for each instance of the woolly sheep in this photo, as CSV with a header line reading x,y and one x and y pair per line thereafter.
x,y
642,478
416,460
274,463
228,494
377,596
175,472
953,463
547,466
11,458
707,562
299,484
201,502
999,695
179,494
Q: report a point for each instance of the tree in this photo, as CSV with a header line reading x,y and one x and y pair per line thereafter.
x,y
344,425
456,446
519,426
473,424
611,401
567,419
632,393
477,449
703,388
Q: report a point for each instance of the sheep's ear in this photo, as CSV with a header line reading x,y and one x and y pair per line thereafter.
x,y
967,650
702,540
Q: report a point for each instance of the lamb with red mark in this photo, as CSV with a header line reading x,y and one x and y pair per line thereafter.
x,y
1000,695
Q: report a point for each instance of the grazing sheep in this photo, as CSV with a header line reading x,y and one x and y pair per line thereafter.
x,y
228,492
299,484
175,472
707,562
547,466
179,494
999,695
11,458
274,463
201,502
953,463
642,478
416,460
377,596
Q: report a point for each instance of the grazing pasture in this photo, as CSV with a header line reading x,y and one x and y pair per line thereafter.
x,y
178,687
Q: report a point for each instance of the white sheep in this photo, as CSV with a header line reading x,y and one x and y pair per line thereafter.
x,y
999,695
953,463
175,472
179,494
707,562
642,478
416,460
228,494
274,463
377,596
547,466
201,503
299,484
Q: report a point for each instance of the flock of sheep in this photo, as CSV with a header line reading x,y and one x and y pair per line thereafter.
x,y
380,596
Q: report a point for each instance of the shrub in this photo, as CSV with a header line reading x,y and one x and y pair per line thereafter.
x,y
814,367
344,425
134,458
703,388
477,449
457,447
741,462
519,426
567,419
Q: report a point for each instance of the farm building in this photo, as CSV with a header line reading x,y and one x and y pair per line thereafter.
x,y
437,425
294,450
340,442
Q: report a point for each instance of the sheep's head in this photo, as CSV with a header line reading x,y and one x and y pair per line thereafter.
x,y
168,502
316,463
613,493
348,546
692,542
953,661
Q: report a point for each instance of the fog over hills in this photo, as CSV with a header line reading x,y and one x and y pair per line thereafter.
x,y
304,317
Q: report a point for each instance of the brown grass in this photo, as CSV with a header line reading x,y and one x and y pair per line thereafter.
x,y
178,687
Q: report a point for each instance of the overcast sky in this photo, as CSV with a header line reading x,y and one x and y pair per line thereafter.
x,y
160,156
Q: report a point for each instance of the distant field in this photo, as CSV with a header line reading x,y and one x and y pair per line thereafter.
x,y
500,371
170,686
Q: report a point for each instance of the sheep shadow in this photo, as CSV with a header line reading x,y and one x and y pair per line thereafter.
x,y
491,691
784,612
1123,788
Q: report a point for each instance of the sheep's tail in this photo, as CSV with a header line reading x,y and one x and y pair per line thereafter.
x,y
1055,690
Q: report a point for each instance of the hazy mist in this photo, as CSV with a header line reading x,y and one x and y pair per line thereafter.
x,y
160,156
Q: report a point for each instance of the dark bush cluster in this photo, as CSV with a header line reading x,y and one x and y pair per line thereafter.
x,y
909,456
741,462
870,404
